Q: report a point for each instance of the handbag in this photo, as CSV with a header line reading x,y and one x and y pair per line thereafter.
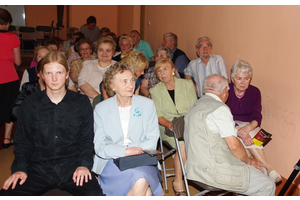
x,y
168,132
133,161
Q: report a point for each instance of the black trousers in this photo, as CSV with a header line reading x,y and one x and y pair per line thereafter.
x,y
37,184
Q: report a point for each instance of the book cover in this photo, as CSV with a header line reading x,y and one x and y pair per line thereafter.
x,y
262,137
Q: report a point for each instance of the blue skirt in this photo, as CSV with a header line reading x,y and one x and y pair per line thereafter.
x,y
118,183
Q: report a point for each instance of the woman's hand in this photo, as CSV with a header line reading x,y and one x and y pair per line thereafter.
x,y
133,151
243,133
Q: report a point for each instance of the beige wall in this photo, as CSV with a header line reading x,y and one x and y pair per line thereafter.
x,y
265,36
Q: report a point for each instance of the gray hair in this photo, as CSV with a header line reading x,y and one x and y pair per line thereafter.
x,y
215,82
173,37
168,51
203,38
242,65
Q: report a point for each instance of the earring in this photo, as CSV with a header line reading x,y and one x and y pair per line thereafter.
x,y
173,73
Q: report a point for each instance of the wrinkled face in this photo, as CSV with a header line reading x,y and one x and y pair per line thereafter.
x,y
204,49
165,72
160,54
41,54
105,52
135,37
241,81
85,50
125,45
138,73
91,26
167,42
55,76
124,84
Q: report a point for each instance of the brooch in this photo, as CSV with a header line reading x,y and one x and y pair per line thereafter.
x,y
137,112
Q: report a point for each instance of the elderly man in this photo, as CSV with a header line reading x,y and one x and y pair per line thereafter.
x,y
141,45
126,45
221,160
205,65
179,59
90,30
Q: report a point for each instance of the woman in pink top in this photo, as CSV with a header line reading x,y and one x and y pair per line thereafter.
x,y
10,56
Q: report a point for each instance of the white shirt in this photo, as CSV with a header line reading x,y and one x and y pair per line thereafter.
x,y
124,117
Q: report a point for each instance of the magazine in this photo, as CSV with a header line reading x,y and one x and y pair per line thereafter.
x,y
260,136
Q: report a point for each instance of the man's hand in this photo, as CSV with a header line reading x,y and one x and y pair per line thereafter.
x,y
258,165
80,174
13,179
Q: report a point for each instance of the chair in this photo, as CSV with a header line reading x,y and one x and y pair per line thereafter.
x,y
164,156
178,130
43,33
27,38
12,29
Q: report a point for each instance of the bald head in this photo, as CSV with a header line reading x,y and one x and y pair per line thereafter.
x,y
217,85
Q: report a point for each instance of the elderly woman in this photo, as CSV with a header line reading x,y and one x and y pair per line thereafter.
x,y
172,97
150,80
93,70
124,125
126,45
85,50
244,102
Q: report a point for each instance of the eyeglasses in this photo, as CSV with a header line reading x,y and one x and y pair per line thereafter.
x,y
208,46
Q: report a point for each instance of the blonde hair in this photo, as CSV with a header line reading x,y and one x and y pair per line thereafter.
x,y
107,40
161,62
135,60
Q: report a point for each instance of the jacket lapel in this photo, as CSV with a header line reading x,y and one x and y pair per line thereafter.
x,y
135,114
114,116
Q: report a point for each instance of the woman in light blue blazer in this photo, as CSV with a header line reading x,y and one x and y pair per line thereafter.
x,y
124,125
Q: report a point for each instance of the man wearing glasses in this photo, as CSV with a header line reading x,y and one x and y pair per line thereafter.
x,y
205,65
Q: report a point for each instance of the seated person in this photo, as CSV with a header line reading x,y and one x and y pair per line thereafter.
x,y
215,156
141,45
150,80
172,97
244,102
92,71
72,53
126,45
71,37
124,125
53,139
85,50
30,74
90,30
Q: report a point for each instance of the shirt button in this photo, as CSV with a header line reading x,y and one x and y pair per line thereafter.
x,y
55,137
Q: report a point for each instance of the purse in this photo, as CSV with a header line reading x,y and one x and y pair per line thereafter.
x,y
133,161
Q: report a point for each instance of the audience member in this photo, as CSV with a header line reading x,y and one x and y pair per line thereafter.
x,y
54,139
10,56
60,43
150,80
214,154
104,31
244,102
71,37
172,97
206,64
124,125
141,45
30,75
52,44
72,53
85,49
90,30
125,44
92,71
179,59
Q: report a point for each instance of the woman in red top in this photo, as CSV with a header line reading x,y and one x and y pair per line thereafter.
x,y
9,81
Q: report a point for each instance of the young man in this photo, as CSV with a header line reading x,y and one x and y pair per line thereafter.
x,y
54,138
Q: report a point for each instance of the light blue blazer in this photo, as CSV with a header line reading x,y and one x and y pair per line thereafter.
x,y
143,129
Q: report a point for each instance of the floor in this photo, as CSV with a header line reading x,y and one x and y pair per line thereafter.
x,y
7,157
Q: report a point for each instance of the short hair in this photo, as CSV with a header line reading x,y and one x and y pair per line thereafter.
x,y
203,38
122,37
107,40
79,34
71,31
91,19
82,41
5,17
136,32
54,57
113,35
168,51
111,72
35,53
104,30
215,82
136,61
242,65
51,41
160,62
173,37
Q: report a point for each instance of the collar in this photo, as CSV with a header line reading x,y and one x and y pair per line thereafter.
x,y
3,31
213,96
